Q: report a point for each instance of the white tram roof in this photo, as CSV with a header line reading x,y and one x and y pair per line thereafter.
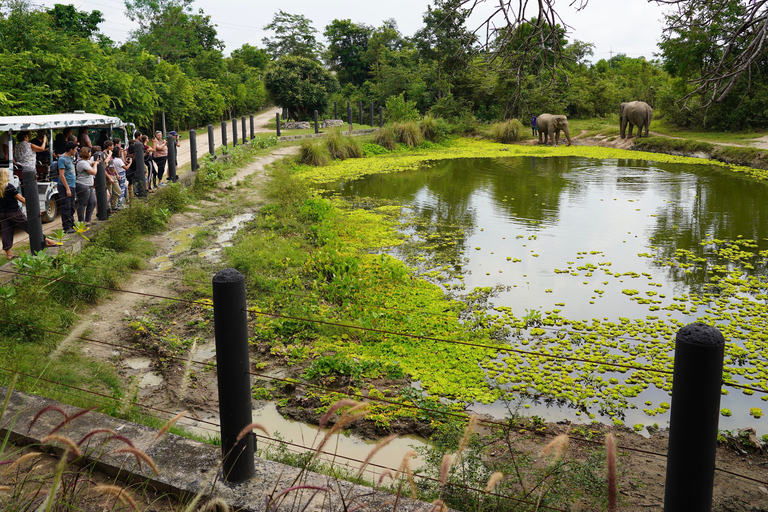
x,y
58,122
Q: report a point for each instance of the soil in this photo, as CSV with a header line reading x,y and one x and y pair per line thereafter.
x,y
160,381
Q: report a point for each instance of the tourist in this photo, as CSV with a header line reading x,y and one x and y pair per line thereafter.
x,y
66,187
24,152
11,215
121,169
149,163
60,141
160,155
84,139
85,170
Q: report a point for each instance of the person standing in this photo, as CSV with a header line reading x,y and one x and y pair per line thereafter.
x,y
534,128
24,152
66,187
85,170
160,155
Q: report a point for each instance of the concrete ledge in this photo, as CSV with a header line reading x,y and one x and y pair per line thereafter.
x,y
186,467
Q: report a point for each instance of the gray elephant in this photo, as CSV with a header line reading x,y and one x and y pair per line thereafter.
x,y
549,127
635,113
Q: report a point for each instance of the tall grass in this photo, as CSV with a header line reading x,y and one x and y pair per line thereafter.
x,y
408,133
508,131
386,138
314,152
342,147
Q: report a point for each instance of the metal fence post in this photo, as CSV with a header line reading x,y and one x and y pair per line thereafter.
x,y
224,133
694,415
100,180
140,184
381,117
317,129
277,118
252,128
171,141
211,142
234,131
193,150
32,201
230,321
245,139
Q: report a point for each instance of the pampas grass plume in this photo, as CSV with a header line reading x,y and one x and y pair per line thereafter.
x,y
117,492
610,455
556,447
445,468
495,478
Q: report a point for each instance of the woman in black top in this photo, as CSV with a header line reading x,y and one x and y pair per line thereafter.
x,y
11,215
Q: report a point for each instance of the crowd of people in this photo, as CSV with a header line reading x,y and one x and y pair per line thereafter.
x,y
74,166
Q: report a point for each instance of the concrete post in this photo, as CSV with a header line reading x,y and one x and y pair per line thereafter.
x,y
171,141
230,321
234,131
193,150
694,415
277,118
211,142
224,133
335,109
32,201
317,129
245,136
100,180
140,184
360,110
253,130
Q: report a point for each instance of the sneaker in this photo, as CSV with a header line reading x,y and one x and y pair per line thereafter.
x,y
69,231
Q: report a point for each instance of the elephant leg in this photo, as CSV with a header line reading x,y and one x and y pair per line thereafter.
x,y
631,128
557,137
623,127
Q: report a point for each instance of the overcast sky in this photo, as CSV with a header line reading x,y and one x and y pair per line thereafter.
x,y
632,27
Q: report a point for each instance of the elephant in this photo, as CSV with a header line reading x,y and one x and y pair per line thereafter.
x,y
549,127
635,113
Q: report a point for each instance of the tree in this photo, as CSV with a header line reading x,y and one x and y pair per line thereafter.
x,y
294,35
73,22
382,41
250,56
299,84
445,40
346,54
170,30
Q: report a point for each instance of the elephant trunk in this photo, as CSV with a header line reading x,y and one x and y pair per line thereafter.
x,y
567,134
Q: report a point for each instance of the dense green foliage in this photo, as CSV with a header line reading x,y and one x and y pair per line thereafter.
x,y
57,60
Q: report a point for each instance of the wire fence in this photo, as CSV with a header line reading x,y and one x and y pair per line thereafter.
x,y
212,427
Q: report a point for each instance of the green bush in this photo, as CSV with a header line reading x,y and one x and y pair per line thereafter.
x,y
434,129
408,133
466,125
341,147
509,131
373,149
174,197
399,110
314,152
386,138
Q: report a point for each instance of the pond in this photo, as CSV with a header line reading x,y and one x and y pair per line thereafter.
x,y
603,260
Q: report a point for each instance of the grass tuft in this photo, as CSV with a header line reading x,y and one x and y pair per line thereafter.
x,y
508,131
314,152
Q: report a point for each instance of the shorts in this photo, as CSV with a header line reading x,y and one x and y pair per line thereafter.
x,y
131,178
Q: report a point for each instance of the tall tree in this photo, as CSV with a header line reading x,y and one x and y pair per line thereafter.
x,y
382,41
346,53
77,23
294,35
445,40
299,84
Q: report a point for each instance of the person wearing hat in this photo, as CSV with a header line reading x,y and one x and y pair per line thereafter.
x,y
159,155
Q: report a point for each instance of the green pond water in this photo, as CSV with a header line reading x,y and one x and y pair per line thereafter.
x,y
601,260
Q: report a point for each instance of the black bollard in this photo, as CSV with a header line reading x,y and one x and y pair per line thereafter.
x,y
360,110
234,131
100,180
372,121
317,129
171,141
335,109
211,142
140,182
277,118
694,415
224,133
32,201
381,117
230,322
245,136
349,116
285,113
192,150
253,130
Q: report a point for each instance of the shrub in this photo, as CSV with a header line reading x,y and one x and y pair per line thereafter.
x,y
399,110
174,198
341,147
386,138
509,131
434,129
373,149
466,125
408,133
314,153
667,145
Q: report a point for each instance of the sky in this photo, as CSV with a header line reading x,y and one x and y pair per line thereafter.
x,y
632,27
